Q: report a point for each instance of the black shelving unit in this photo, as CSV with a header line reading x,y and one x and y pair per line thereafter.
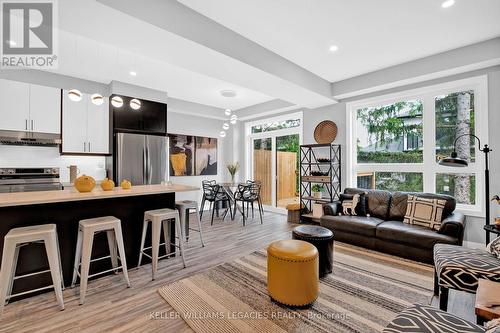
x,y
315,159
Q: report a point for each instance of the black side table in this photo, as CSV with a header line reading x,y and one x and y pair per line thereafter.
x,y
492,228
322,238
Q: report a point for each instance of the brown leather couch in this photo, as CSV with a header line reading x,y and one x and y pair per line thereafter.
x,y
384,229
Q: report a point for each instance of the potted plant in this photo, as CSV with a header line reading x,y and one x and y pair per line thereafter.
x,y
233,169
317,190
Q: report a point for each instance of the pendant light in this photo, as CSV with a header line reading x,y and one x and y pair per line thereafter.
x,y
233,119
227,112
222,134
75,95
135,104
225,126
97,99
117,101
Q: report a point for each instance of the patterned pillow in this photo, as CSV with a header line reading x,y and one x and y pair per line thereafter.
x,y
494,247
424,212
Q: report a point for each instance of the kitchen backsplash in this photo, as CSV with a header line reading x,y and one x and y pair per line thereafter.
x,y
30,156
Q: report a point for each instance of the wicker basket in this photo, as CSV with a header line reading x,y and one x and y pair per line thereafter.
x,y
325,132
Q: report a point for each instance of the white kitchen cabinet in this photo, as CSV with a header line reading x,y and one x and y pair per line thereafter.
x,y
15,105
98,127
85,126
74,125
45,109
29,107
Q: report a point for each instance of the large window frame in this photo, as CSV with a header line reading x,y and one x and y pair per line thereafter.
x,y
429,167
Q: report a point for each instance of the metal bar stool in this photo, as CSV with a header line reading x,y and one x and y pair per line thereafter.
x,y
86,232
183,207
158,218
19,237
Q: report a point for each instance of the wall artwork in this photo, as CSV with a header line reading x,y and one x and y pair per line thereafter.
x,y
192,155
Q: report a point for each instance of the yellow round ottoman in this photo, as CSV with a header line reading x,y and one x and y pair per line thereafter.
x,y
292,272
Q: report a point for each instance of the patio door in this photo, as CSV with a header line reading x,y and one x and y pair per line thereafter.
x,y
273,160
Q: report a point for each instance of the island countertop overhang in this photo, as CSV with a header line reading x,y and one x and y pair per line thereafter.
x,y
44,197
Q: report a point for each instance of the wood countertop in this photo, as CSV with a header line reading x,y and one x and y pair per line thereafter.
x,y
43,197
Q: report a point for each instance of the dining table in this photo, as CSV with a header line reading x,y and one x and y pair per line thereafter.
x,y
229,187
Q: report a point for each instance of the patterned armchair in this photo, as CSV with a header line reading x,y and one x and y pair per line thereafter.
x,y
426,319
460,268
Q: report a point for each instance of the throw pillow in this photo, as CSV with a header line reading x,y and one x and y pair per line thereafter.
x,y
424,212
353,204
494,247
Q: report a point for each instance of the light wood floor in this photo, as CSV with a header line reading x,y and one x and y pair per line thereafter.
x,y
111,307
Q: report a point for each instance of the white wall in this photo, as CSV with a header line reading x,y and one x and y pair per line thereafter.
x,y
178,123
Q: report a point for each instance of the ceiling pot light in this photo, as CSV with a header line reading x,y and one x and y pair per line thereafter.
x,y
225,126
97,99
228,93
222,134
133,73
75,95
333,48
227,112
448,3
135,104
117,101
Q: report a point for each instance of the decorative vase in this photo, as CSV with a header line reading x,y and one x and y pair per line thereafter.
x,y
84,183
233,178
107,184
126,184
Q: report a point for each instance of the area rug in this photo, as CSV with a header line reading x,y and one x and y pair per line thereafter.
x,y
366,290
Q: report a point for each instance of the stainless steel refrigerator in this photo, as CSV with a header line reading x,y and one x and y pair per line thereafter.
x,y
142,159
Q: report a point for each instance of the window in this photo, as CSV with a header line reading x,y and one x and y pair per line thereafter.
x,y
398,140
275,125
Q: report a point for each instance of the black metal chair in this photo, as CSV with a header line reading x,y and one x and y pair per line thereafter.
x,y
215,194
247,194
259,200
206,186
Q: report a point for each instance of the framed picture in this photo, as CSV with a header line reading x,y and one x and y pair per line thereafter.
x,y
182,155
206,156
192,155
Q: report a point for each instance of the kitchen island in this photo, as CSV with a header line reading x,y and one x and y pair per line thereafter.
x,y
65,209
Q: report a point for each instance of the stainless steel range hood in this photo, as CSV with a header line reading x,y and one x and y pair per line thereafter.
x,y
19,138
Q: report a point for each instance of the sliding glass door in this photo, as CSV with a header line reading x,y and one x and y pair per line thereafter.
x,y
273,160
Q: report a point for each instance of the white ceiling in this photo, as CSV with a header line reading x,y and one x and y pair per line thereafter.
x,y
101,44
371,34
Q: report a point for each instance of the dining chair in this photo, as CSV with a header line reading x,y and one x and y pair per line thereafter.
x,y
208,195
215,194
247,194
259,199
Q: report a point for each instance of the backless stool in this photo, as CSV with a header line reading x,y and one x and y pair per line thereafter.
x,y
86,232
19,237
183,207
158,218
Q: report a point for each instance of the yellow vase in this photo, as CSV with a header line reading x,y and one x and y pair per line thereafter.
x,y
107,184
84,183
126,184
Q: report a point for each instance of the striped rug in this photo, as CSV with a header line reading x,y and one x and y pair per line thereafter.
x,y
363,294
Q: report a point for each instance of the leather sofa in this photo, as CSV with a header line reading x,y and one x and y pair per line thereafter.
x,y
383,230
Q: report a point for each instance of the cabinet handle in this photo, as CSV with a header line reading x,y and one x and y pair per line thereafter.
x,y
26,124
32,124
89,146
84,146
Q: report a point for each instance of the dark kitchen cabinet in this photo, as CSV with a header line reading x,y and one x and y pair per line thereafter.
x,y
150,118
